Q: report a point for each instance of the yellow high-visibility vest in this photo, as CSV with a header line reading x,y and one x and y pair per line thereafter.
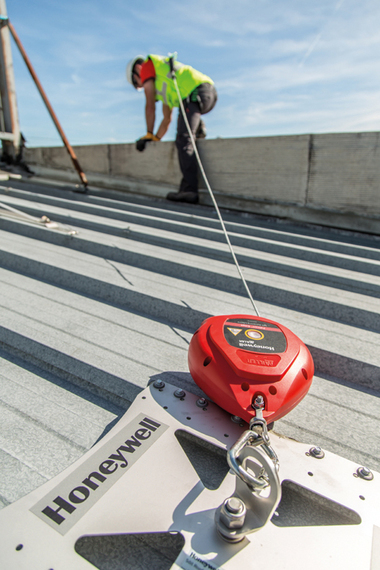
x,y
188,79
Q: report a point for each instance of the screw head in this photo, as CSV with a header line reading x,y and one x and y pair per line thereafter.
x,y
259,403
180,393
236,419
202,403
159,384
365,473
317,452
233,513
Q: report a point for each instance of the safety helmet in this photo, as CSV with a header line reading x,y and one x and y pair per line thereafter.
x,y
131,64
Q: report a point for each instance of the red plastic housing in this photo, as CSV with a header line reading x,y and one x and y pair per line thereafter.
x,y
235,358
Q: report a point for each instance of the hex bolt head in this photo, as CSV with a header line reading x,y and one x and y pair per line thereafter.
x,y
202,403
233,512
259,403
236,419
317,452
179,393
159,384
365,473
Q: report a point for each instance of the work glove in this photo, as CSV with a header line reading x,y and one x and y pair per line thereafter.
x,y
140,144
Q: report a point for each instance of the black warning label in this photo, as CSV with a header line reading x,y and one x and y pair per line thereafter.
x,y
254,335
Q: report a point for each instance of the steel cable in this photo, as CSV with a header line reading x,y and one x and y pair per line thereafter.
x,y
211,192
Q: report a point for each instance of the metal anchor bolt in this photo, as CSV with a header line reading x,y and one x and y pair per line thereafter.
x,y
365,473
236,419
233,513
159,384
234,505
202,403
179,393
259,403
316,452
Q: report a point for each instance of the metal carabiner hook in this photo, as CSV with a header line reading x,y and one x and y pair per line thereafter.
x,y
249,438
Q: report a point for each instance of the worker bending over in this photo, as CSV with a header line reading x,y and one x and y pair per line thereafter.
x,y
153,74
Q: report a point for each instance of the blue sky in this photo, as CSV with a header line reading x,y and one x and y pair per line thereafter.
x,y
280,66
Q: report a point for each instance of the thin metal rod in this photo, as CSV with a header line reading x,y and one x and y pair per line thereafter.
x,y
212,196
69,148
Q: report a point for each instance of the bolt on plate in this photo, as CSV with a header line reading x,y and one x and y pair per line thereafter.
x,y
236,419
316,452
259,403
364,473
232,513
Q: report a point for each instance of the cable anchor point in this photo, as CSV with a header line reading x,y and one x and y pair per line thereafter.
x,y
258,489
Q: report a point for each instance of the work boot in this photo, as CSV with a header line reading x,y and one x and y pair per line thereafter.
x,y
201,131
189,197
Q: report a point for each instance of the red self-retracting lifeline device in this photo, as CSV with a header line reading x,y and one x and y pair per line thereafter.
x,y
235,358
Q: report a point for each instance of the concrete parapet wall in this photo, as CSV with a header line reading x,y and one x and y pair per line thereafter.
x,y
331,179
345,172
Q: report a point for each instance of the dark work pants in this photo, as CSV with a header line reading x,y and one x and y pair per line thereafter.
x,y
200,102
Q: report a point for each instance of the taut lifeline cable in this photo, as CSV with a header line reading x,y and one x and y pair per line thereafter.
x,y
171,62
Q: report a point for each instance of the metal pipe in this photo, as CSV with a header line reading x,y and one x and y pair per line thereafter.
x,y
69,148
10,125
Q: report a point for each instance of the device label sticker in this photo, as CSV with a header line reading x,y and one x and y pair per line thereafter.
x,y
195,561
65,505
255,335
234,331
